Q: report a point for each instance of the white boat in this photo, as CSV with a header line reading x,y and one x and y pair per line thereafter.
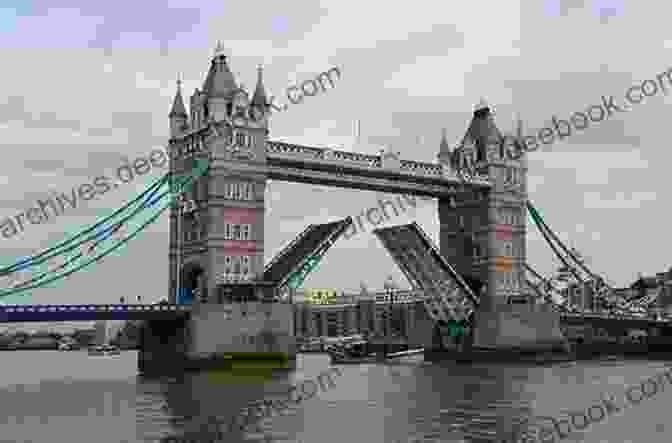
x,y
314,345
68,344
104,350
352,352
64,346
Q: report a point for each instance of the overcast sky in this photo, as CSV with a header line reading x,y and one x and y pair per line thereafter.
x,y
86,84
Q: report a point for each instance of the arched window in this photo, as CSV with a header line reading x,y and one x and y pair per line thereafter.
x,y
246,232
245,265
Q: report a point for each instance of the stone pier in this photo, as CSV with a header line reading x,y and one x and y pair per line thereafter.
x,y
214,337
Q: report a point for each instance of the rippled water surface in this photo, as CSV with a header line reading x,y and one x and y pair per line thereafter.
x,y
69,397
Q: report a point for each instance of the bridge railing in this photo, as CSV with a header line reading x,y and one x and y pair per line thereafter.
x,y
94,308
361,161
650,317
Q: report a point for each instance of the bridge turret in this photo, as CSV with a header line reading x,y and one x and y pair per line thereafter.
x,y
219,88
483,236
178,113
259,99
483,134
220,240
444,154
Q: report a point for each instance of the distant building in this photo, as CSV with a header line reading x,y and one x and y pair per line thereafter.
x,y
620,294
578,295
101,331
658,287
645,286
85,337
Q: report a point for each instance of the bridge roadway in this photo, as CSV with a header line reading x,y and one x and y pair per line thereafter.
x,y
39,313
50,313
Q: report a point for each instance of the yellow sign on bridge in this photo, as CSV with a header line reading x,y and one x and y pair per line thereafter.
x,y
321,296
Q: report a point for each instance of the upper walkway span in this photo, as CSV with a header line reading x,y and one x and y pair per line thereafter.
x,y
330,167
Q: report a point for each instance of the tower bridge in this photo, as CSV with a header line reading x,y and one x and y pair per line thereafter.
x,y
474,274
221,292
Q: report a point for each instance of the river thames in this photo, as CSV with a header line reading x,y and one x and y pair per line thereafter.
x,y
70,397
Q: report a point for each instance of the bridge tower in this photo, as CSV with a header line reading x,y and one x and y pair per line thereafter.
x,y
483,233
221,223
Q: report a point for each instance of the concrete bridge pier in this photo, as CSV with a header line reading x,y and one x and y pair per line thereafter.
x,y
163,346
210,339
518,327
509,333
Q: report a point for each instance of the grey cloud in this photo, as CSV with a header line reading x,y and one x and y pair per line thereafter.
x,y
14,108
96,159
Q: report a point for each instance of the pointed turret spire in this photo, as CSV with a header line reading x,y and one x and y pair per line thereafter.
x,y
482,104
443,146
219,49
259,98
219,81
482,130
444,156
178,109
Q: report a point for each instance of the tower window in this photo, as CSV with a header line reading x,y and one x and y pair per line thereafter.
x,y
239,191
246,232
243,140
246,265
237,232
477,249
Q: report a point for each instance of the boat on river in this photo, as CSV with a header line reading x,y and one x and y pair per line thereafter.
x,y
352,352
104,350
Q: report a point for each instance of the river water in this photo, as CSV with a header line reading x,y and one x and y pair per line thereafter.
x,y
69,397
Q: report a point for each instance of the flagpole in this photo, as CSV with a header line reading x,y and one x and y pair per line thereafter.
x,y
357,132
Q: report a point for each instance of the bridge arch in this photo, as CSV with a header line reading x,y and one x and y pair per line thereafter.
x,y
193,279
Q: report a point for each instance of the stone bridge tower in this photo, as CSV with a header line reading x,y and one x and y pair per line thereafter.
x,y
218,234
483,233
